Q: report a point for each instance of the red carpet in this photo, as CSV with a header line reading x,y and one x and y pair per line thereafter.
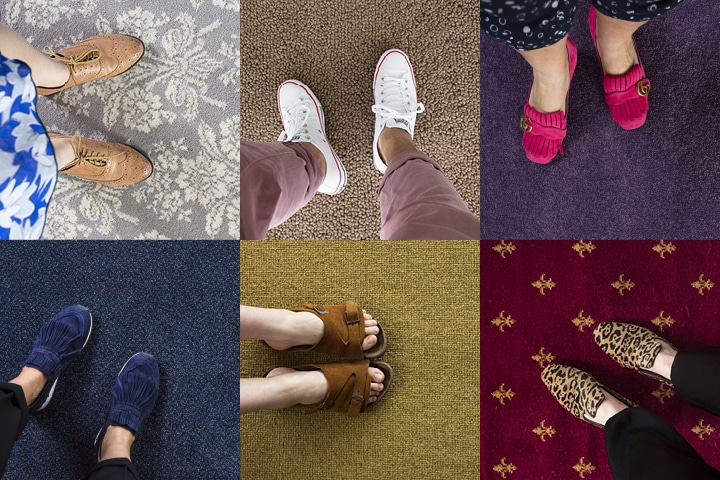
x,y
541,299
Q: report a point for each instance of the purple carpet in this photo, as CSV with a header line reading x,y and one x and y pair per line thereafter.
x,y
540,303
659,181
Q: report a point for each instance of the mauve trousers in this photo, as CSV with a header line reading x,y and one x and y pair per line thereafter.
x,y
417,201
14,417
643,446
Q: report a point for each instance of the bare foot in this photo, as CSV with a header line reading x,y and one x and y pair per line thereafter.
x,y
310,387
306,328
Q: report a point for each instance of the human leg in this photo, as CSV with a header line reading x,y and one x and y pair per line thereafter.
x,y
321,387
14,417
46,71
101,56
284,329
624,81
417,201
58,343
276,180
131,400
640,445
694,372
539,33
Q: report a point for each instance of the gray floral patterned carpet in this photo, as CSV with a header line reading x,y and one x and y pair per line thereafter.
x,y
179,105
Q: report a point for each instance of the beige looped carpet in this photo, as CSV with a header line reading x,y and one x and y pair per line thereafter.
x,y
426,295
333,47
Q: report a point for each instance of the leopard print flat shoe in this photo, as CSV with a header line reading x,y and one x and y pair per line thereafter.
x,y
577,391
631,346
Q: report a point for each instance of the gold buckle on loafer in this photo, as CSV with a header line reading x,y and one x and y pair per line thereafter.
x,y
525,124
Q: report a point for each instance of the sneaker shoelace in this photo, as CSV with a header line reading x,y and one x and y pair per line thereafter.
x,y
298,123
395,101
83,155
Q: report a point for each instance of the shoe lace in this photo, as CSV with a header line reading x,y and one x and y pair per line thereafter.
x,y
395,101
85,155
90,56
296,119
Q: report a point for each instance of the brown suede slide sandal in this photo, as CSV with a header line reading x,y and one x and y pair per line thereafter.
x,y
344,332
349,386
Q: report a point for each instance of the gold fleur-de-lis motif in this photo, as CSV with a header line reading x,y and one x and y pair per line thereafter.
x,y
701,429
543,357
663,393
622,285
582,468
662,248
543,430
502,468
542,283
502,248
582,322
581,247
703,284
502,321
661,321
502,394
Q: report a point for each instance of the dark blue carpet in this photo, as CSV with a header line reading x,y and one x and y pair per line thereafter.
x,y
660,181
176,300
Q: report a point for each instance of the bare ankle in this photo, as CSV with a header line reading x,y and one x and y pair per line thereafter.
x,y
392,142
32,382
317,155
116,443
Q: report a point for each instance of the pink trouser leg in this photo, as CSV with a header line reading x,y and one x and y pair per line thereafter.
x,y
276,180
418,202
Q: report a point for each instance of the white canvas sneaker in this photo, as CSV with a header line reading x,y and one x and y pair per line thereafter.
x,y
303,121
396,104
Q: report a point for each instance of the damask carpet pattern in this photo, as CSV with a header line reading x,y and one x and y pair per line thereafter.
x,y
425,294
333,46
540,303
179,105
659,181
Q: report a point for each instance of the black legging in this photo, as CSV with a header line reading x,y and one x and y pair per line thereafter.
x,y
642,446
528,24
14,416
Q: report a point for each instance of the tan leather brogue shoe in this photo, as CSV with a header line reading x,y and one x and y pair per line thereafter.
x,y
105,162
101,56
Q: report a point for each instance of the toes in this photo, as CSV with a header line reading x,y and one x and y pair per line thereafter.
x,y
376,375
375,387
372,329
369,342
367,315
370,322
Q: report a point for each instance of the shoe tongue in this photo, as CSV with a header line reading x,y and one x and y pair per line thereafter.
x,y
398,123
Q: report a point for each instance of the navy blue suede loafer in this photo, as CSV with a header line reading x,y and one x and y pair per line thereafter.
x,y
133,396
60,341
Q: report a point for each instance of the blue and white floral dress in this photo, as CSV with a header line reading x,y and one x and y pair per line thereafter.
x,y
28,170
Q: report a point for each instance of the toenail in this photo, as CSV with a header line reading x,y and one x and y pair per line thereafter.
x,y
378,376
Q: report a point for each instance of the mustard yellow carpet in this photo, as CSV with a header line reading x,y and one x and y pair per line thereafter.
x,y
426,295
